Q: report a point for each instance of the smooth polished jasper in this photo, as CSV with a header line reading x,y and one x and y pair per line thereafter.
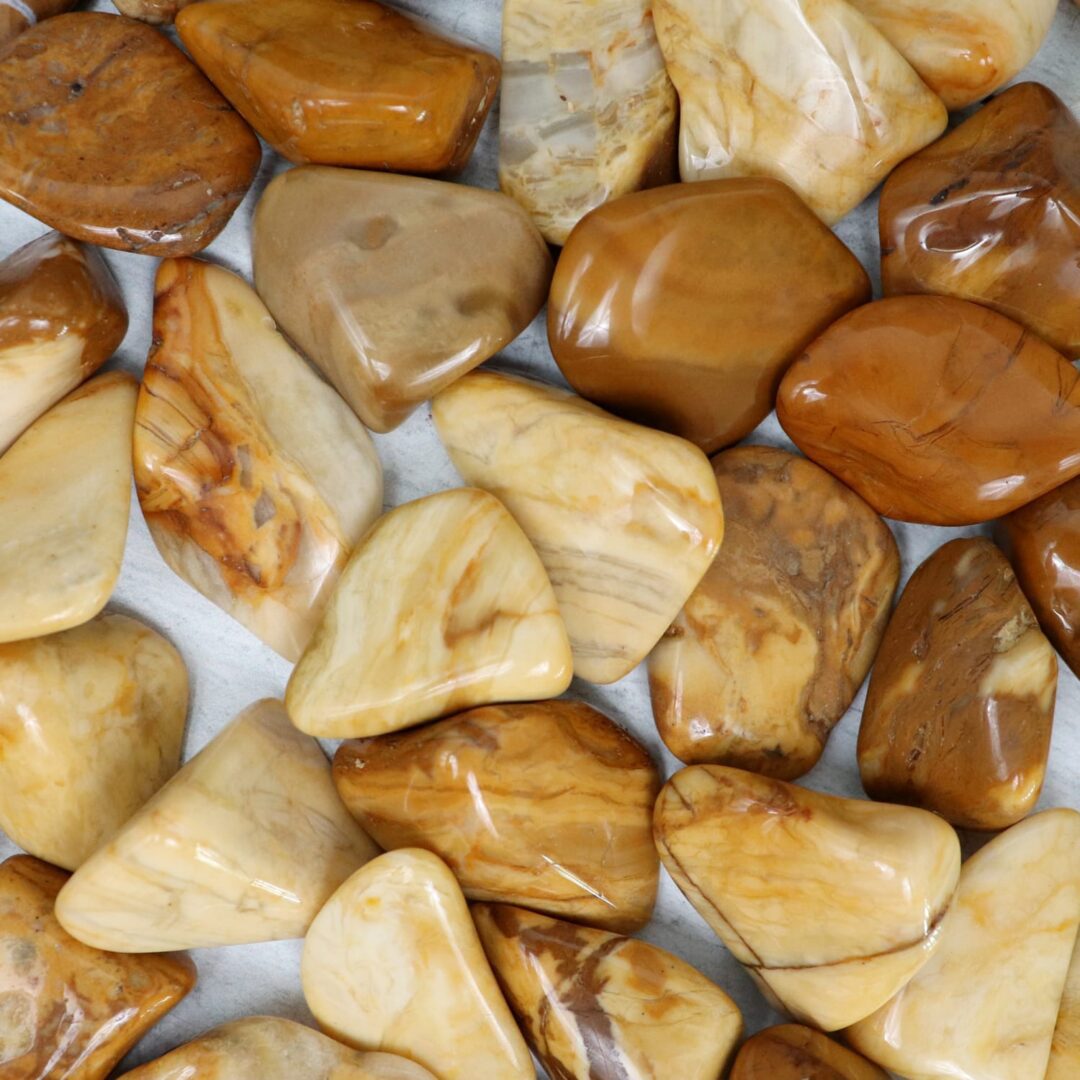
x,y
588,112
794,1052
395,286
985,1005
155,12
625,519
15,18
1064,1061
255,478
113,136
806,91
68,1012
772,646
488,792
392,962
682,306
935,410
831,904
244,844
345,82
596,1006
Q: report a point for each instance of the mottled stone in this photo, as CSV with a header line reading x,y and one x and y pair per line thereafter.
x,y
793,1052
1064,1061
155,12
14,19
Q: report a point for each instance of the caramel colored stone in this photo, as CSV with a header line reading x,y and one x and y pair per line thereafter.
x,y
154,12
681,307
113,136
15,19
345,82
69,1012
794,1052
548,806
772,646
935,410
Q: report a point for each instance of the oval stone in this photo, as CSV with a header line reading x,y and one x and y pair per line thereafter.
x,y
794,1052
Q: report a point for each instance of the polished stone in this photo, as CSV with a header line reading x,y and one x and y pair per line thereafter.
x,y
793,1052
1064,1061
155,12
15,19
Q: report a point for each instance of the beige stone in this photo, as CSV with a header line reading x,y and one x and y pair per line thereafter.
x,y
1065,1048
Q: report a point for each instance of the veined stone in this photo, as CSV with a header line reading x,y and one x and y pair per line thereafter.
x,y
793,1052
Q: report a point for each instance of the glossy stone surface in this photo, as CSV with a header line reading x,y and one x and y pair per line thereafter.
x,y
587,113
794,1052
14,20
65,494
831,904
244,844
681,307
985,1005
155,12
68,1012
596,1006
1064,1061
345,82
488,792
255,478
935,410
806,91
395,286
625,519
987,214
113,136
392,962
772,646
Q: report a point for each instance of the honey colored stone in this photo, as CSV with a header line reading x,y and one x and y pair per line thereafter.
x,y
113,136
15,19
392,962
625,519
807,91
487,791
935,410
68,1012
831,904
772,646
345,82
596,1006
794,1052
681,307
255,478
244,844
395,286
155,12
454,578
588,112
1064,1061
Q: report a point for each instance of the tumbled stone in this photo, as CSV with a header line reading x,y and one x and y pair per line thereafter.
x,y
935,410
986,1003
588,112
17,17
488,792
1064,1061
681,307
113,136
625,519
794,1052
155,12
831,904
345,82
255,478
395,286
68,1012
244,844
454,577
392,962
772,646
596,1006
65,494
987,213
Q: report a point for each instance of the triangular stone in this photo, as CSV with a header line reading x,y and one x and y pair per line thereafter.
x,y
1065,1048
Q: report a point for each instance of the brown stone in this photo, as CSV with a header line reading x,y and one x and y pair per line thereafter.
x,y
152,11
794,1052
13,20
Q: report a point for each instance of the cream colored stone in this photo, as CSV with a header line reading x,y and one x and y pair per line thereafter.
x,y
1065,1048
626,519
244,844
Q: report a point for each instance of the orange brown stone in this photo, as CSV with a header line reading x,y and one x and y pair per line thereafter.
x,y
794,1052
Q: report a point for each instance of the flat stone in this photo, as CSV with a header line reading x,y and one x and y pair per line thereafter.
x,y
255,478
454,576
488,792
831,904
393,963
794,1052
395,286
1064,1061
772,646
682,307
113,136
588,112
155,12
244,844
345,82
935,410
625,519
596,1006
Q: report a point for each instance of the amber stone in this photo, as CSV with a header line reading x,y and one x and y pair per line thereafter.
x,y
794,1052
681,307
935,410
989,212
14,18
113,136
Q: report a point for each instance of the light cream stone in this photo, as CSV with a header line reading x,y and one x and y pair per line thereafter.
x,y
1065,1048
